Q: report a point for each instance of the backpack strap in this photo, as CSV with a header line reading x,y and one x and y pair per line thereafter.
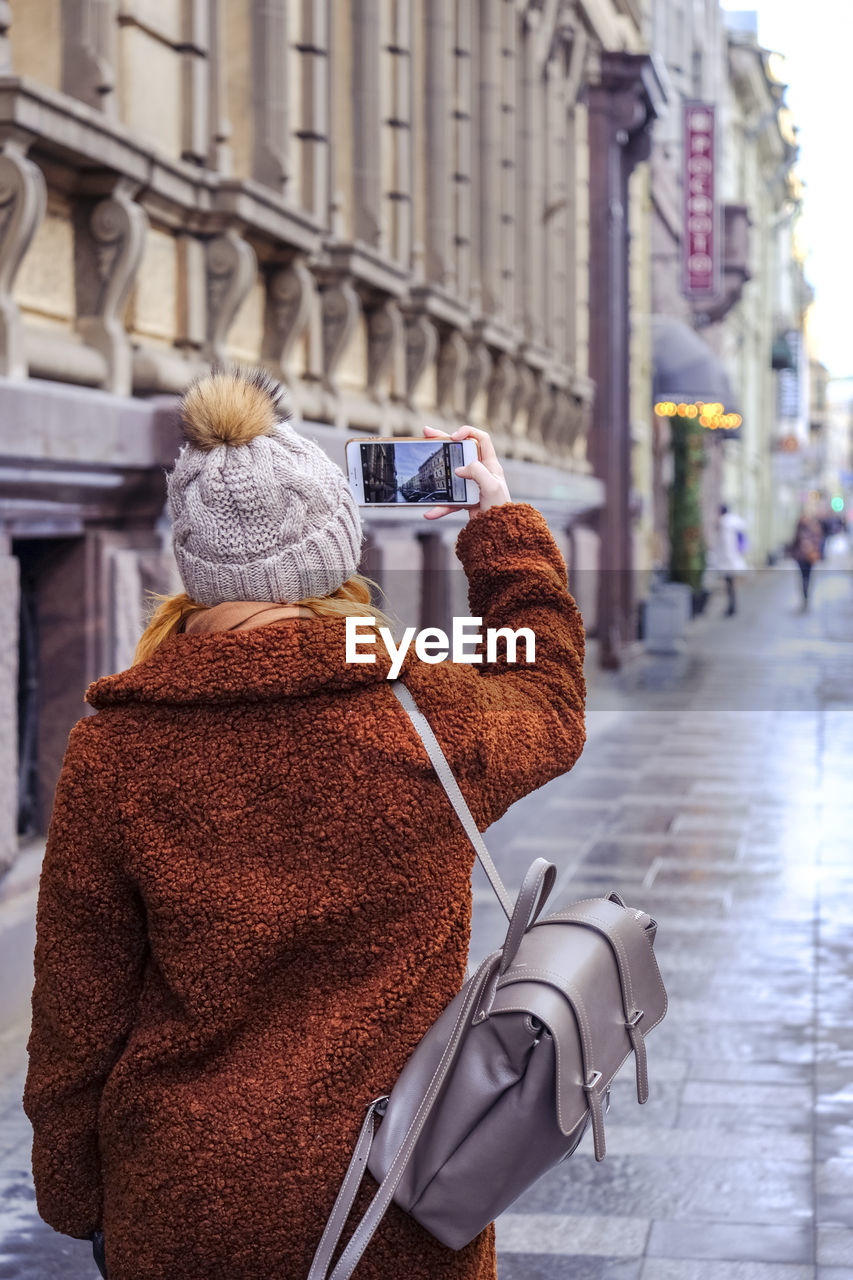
x,y
454,794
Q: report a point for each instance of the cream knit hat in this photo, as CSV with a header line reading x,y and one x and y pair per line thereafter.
x,y
258,512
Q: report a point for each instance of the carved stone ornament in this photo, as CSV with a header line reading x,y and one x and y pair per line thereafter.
x,y
537,411
385,332
232,269
499,400
452,364
341,311
558,428
573,419
421,347
477,373
22,205
548,416
116,234
522,395
584,423
290,295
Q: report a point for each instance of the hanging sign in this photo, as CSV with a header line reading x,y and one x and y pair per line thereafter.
x,y
701,231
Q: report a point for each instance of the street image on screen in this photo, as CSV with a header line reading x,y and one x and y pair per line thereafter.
x,y
412,471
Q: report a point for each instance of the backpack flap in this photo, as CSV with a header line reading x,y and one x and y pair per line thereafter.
x,y
589,975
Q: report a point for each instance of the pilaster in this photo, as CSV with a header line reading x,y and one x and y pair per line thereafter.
x,y
489,105
270,159
9,640
623,103
89,51
366,123
437,176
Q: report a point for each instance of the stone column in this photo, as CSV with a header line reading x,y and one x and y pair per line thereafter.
x,y
10,595
444,588
583,572
401,557
624,101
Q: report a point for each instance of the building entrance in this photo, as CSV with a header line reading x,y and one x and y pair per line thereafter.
x,y
47,664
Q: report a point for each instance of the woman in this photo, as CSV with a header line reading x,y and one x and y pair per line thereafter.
x,y
806,548
255,896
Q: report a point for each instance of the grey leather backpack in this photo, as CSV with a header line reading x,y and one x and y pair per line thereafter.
x,y
506,1082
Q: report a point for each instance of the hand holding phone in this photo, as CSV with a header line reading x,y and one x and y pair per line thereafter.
x,y
406,471
486,471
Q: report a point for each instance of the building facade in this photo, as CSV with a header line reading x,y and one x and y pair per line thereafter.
x,y
402,208
732,334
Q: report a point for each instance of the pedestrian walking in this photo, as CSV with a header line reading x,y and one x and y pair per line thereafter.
x,y
255,897
806,547
727,554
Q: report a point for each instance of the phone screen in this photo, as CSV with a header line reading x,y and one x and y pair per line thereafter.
x,y
412,471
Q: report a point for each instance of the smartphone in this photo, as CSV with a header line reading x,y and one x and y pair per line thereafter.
x,y
409,471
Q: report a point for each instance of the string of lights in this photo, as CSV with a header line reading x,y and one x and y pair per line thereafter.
x,y
710,414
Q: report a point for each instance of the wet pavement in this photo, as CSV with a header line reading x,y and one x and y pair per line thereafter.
x,y
715,792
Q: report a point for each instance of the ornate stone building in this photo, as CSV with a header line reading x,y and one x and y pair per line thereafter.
x,y
386,202
713,57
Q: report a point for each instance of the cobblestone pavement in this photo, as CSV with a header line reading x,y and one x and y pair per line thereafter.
x,y
714,791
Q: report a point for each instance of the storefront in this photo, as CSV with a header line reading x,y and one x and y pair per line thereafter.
x,y
696,410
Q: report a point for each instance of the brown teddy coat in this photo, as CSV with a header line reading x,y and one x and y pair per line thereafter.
x,y
255,900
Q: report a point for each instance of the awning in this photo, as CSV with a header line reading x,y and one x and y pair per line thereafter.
x,y
685,367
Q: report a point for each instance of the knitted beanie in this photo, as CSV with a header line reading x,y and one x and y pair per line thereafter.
x,y
258,512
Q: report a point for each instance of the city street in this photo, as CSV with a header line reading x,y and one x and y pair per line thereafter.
x,y
714,792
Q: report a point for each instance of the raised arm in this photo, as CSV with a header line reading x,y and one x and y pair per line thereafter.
x,y
508,728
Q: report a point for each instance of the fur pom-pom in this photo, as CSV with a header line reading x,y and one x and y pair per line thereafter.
x,y
231,406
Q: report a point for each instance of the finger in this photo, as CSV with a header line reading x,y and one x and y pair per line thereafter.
x,y
487,449
435,431
435,513
480,473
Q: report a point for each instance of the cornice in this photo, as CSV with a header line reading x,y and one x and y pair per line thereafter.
x,y
79,138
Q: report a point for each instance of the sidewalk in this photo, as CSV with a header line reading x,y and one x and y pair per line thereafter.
x,y
715,792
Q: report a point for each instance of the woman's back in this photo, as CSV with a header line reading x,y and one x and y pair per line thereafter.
x,y
261,898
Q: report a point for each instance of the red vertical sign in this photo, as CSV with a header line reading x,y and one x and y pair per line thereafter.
x,y
701,239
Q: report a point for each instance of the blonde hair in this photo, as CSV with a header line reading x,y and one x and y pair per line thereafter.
x,y
350,600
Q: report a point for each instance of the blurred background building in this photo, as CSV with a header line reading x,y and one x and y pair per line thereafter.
x,y
738,324
411,211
